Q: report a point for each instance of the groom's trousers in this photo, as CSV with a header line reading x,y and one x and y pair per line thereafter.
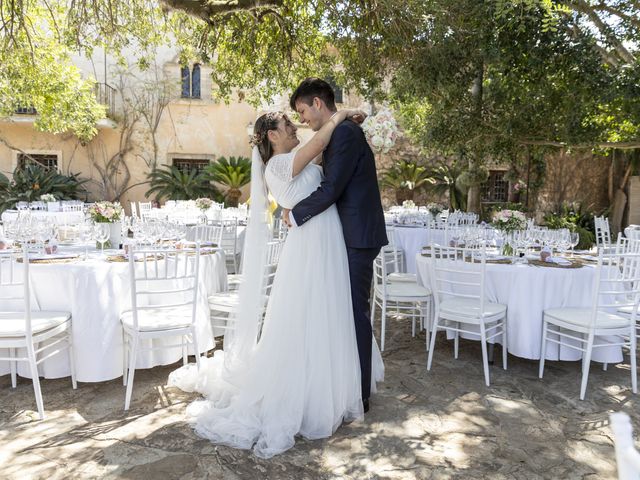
x,y
361,273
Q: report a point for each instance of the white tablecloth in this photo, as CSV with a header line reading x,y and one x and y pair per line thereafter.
x,y
59,218
412,239
96,292
527,291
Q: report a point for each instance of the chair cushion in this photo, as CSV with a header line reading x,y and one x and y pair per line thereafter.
x,y
470,307
402,277
582,317
159,318
404,289
628,310
224,299
12,324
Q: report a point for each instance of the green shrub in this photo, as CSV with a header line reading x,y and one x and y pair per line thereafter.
x,y
572,216
32,181
171,183
232,174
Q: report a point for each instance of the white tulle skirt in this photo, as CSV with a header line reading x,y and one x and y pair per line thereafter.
x,y
303,377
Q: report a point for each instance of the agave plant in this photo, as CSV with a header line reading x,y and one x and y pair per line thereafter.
x,y
172,183
405,178
31,181
232,174
445,181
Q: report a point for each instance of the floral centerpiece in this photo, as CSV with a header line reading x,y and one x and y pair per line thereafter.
x,y
408,205
48,197
509,221
381,130
435,209
105,212
111,213
204,203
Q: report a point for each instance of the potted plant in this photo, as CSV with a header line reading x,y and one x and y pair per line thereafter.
x,y
405,178
233,174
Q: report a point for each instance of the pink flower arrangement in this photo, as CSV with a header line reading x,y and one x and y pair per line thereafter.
x,y
509,220
204,203
519,186
105,212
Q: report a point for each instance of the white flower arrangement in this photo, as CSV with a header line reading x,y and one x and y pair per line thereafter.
x,y
509,220
435,209
408,205
204,203
48,197
105,212
381,130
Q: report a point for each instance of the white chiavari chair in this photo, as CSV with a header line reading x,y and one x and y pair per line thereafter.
x,y
144,209
627,456
229,243
406,299
24,328
397,272
209,234
458,284
134,209
164,293
603,233
616,287
223,305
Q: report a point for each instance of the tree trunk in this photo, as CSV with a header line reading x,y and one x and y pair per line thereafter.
x,y
403,194
233,196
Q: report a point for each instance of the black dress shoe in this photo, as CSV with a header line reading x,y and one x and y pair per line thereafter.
x,y
365,404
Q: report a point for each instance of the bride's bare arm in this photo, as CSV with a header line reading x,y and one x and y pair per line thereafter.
x,y
320,140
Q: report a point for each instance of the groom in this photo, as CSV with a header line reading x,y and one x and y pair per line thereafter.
x,y
351,183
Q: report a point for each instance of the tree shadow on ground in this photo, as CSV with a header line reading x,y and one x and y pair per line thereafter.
x,y
440,424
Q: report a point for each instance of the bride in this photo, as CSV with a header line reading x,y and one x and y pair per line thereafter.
x,y
302,377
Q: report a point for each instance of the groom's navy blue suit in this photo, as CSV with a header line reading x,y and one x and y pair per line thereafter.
x,y
351,183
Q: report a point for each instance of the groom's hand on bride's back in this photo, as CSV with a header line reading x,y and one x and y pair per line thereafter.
x,y
357,116
285,217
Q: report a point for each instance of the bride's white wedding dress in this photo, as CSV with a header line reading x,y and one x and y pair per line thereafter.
x,y
303,377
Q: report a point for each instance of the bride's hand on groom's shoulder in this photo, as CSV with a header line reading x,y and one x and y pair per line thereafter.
x,y
356,116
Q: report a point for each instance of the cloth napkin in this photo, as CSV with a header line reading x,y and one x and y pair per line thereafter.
x,y
558,260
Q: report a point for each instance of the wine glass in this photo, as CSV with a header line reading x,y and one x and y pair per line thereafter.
x,y
102,233
574,239
85,231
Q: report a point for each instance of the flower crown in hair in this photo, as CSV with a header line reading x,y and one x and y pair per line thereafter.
x,y
258,138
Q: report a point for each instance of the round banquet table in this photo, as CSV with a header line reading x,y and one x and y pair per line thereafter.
x,y
411,239
527,291
96,292
59,218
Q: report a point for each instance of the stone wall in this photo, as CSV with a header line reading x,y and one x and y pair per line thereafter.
x,y
575,177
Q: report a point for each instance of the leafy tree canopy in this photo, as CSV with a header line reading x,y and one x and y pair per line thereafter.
x,y
469,76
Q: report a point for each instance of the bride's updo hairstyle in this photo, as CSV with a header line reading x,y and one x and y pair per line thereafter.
x,y
260,139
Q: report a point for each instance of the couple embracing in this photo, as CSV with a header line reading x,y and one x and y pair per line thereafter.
x,y
314,362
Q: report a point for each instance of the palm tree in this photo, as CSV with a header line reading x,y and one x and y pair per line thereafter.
x,y
172,183
444,179
233,174
405,178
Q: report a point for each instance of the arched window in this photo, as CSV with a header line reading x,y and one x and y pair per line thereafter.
x,y
195,81
186,82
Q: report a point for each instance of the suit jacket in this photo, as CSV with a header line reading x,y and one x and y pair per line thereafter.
x,y
351,183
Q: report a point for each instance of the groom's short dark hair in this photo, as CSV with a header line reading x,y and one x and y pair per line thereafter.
x,y
313,87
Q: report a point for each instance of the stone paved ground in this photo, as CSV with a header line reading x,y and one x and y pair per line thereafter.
x,y
422,425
